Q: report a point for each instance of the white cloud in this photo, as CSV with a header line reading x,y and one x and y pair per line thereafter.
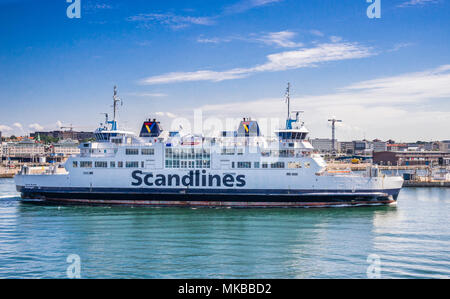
x,y
281,39
165,114
276,62
317,33
399,46
4,128
213,40
171,20
18,125
147,94
402,107
335,39
181,21
413,87
417,3
59,124
195,76
36,127
245,5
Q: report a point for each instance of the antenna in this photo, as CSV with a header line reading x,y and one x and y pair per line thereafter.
x,y
106,117
116,100
288,99
333,128
297,114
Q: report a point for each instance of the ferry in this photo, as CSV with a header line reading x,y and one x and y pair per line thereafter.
x,y
239,169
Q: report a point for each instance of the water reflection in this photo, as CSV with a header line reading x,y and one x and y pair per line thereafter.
x,y
416,242
204,242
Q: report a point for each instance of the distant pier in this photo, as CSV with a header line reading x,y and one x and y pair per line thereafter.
x,y
427,184
6,173
424,181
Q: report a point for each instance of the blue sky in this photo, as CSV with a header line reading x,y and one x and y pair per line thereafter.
x,y
386,78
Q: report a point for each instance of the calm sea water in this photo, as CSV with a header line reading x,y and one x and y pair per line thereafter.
x,y
411,240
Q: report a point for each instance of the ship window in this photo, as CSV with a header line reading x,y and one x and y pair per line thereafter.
x,y
132,151
244,165
265,165
277,165
287,153
75,164
232,164
168,163
133,164
112,164
206,154
256,165
142,164
86,164
188,158
176,154
228,151
148,151
101,164
120,164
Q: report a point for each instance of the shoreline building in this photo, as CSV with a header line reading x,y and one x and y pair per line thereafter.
x,y
73,135
323,145
346,147
378,146
444,146
410,158
26,150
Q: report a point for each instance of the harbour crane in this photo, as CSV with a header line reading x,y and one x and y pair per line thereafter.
x,y
333,121
70,127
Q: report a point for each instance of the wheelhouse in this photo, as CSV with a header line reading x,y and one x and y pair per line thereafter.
x,y
293,134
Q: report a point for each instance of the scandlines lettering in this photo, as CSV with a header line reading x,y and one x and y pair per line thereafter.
x,y
195,178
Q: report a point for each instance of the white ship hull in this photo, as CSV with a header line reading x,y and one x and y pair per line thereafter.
x,y
239,188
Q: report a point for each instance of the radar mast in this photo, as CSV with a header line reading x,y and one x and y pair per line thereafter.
x,y
116,101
